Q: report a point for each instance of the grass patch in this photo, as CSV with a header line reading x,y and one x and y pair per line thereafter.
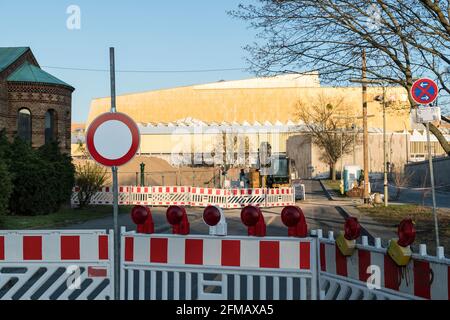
x,y
334,186
422,216
63,217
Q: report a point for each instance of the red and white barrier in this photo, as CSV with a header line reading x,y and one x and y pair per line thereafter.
x,y
238,198
85,257
227,257
203,197
424,277
280,197
286,254
193,196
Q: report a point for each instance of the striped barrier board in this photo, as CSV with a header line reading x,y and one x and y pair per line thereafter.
x,y
159,196
56,265
289,263
203,197
193,196
239,198
104,196
280,197
423,278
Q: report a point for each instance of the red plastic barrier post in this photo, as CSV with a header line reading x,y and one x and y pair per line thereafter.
x,y
294,219
253,219
177,217
142,217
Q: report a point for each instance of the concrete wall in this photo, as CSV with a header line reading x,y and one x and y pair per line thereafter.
x,y
420,176
300,153
304,155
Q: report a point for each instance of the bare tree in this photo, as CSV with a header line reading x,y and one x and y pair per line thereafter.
x,y
231,150
401,180
89,178
329,130
328,36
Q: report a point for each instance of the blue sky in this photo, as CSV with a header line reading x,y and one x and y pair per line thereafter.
x,y
147,35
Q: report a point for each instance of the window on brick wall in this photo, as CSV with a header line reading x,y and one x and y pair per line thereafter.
x,y
50,126
24,124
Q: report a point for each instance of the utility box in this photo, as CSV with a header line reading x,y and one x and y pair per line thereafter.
x,y
351,176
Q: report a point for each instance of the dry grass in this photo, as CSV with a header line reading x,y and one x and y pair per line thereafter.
x,y
335,186
422,216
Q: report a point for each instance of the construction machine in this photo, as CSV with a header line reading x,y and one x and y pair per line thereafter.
x,y
272,170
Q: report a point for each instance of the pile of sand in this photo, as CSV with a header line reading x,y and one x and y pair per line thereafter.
x,y
160,172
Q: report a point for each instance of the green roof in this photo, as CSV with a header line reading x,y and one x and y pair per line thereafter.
x,y
9,55
31,73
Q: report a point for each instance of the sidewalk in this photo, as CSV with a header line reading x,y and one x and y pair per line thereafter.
x,y
374,228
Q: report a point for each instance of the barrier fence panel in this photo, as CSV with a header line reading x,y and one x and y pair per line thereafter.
x,y
345,278
171,196
193,196
238,198
203,197
76,265
171,267
280,197
56,265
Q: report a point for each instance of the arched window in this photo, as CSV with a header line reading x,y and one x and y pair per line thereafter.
x,y
49,126
24,125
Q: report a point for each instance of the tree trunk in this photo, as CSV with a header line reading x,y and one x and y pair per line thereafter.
x,y
438,134
333,171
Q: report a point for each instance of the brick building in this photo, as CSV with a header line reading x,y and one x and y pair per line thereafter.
x,y
34,105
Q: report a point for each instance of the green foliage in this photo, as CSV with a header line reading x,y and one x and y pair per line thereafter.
x,y
63,178
42,179
5,176
89,178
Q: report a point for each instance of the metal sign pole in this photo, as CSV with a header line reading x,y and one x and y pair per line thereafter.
x,y
115,188
430,160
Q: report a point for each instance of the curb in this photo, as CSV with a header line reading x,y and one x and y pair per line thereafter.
x,y
327,193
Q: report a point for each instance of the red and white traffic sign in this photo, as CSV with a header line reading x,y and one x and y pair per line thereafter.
x,y
424,91
113,139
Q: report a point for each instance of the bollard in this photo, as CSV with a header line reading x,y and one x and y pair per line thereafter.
x,y
177,218
253,219
214,217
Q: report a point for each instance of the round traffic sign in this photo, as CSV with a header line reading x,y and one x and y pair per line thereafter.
x,y
112,139
424,91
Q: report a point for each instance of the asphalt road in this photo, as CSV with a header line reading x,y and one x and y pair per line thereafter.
x,y
416,196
